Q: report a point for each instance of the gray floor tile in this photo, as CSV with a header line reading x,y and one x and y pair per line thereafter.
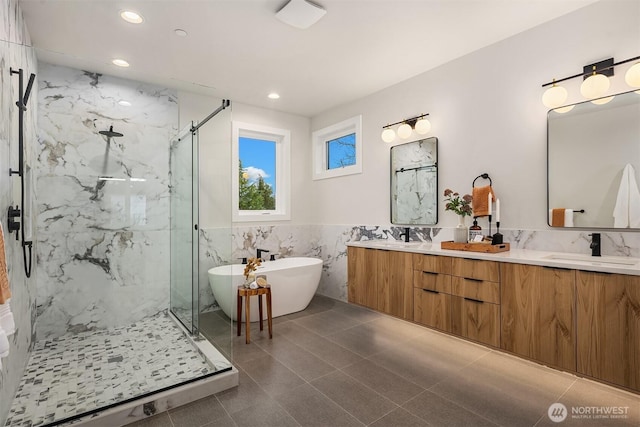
x,y
400,418
246,394
332,353
586,396
439,411
366,339
160,420
198,413
309,407
271,375
358,399
225,421
327,322
302,362
243,352
395,388
263,413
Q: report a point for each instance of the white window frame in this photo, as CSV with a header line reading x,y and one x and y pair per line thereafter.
x,y
320,139
282,138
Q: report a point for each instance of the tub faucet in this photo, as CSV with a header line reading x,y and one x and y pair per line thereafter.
x,y
595,244
260,251
405,234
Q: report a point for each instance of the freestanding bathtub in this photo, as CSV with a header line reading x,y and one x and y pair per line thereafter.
x,y
293,282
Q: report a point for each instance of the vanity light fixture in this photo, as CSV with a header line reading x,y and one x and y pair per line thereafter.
x,y
419,123
273,95
595,85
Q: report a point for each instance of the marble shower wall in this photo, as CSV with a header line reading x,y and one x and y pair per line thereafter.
x,y
103,205
15,54
328,242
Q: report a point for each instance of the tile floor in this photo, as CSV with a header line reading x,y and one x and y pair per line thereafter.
x,y
336,365
73,374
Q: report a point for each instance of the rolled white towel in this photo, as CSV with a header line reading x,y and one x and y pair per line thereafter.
x,y
568,217
6,319
4,344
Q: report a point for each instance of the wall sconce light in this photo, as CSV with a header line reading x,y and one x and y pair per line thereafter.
x,y
419,123
596,83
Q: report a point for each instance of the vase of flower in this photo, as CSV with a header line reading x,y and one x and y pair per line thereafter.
x,y
461,205
461,232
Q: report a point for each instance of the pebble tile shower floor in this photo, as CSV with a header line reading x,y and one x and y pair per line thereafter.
x,y
74,374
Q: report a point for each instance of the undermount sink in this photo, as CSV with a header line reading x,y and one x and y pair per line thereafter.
x,y
394,243
593,260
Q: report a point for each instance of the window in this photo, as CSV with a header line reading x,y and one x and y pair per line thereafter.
x,y
337,149
261,184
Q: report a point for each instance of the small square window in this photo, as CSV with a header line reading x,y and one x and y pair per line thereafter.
x,y
337,149
341,152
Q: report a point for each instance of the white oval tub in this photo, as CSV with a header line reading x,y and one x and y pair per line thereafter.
x,y
293,281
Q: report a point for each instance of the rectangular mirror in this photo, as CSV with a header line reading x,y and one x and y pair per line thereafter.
x,y
593,158
414,183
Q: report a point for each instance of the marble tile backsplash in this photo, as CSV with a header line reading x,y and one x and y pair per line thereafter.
x,y
328,242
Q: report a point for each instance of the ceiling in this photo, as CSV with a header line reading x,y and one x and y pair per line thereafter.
x,y
237,49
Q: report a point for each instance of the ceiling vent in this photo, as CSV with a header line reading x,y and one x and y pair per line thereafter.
x,y
300,14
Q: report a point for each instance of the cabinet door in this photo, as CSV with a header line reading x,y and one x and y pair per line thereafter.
x,y
395,283
362,277
476,320
609,327
538,315
432,308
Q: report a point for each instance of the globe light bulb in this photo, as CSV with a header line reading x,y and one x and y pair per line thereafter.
x,y
602,101
554,97
423,126
388,135
632,76
404,131
563,110
594,86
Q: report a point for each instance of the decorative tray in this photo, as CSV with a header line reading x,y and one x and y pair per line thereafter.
x,y
476,247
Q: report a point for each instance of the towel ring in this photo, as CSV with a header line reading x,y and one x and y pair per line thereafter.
x,y
484,176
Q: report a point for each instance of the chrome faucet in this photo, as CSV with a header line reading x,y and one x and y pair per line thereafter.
x,y
595,244
405,234
259,253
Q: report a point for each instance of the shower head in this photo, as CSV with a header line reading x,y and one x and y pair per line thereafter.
x,y
110,133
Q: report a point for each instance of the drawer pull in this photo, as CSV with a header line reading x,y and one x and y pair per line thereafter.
x,y
430,272
474,300
431,291
472,279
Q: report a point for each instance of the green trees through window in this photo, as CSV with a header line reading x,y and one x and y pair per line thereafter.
x,y
257,195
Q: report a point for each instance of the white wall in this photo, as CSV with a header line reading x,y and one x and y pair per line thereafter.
x,y
215,180
487,113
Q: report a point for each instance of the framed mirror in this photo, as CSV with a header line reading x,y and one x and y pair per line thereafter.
x,y
593,158
414,182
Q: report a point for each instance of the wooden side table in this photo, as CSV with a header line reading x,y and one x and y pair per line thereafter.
x,y
248,293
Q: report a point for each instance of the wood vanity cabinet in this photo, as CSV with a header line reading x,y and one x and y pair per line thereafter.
x,y
538,314
432,291
381,280
475,301
608,318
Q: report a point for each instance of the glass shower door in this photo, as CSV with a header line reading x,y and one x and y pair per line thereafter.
x,y
183,165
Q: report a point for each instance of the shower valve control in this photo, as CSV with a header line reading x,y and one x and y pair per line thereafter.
x,y
14,225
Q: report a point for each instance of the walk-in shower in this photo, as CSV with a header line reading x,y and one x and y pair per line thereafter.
x,y
99,327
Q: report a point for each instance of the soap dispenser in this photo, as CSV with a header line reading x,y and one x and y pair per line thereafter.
x,y
474,230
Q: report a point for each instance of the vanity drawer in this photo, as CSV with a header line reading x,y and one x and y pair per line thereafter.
x,y
482,290
476,269
476,320
432,309
432,263
432,281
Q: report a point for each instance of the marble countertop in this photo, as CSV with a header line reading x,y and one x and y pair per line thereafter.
x,y
605,264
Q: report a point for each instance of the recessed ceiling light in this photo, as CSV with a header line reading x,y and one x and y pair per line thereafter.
x,y
120,63
274,95
131,16
124,103
180,33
